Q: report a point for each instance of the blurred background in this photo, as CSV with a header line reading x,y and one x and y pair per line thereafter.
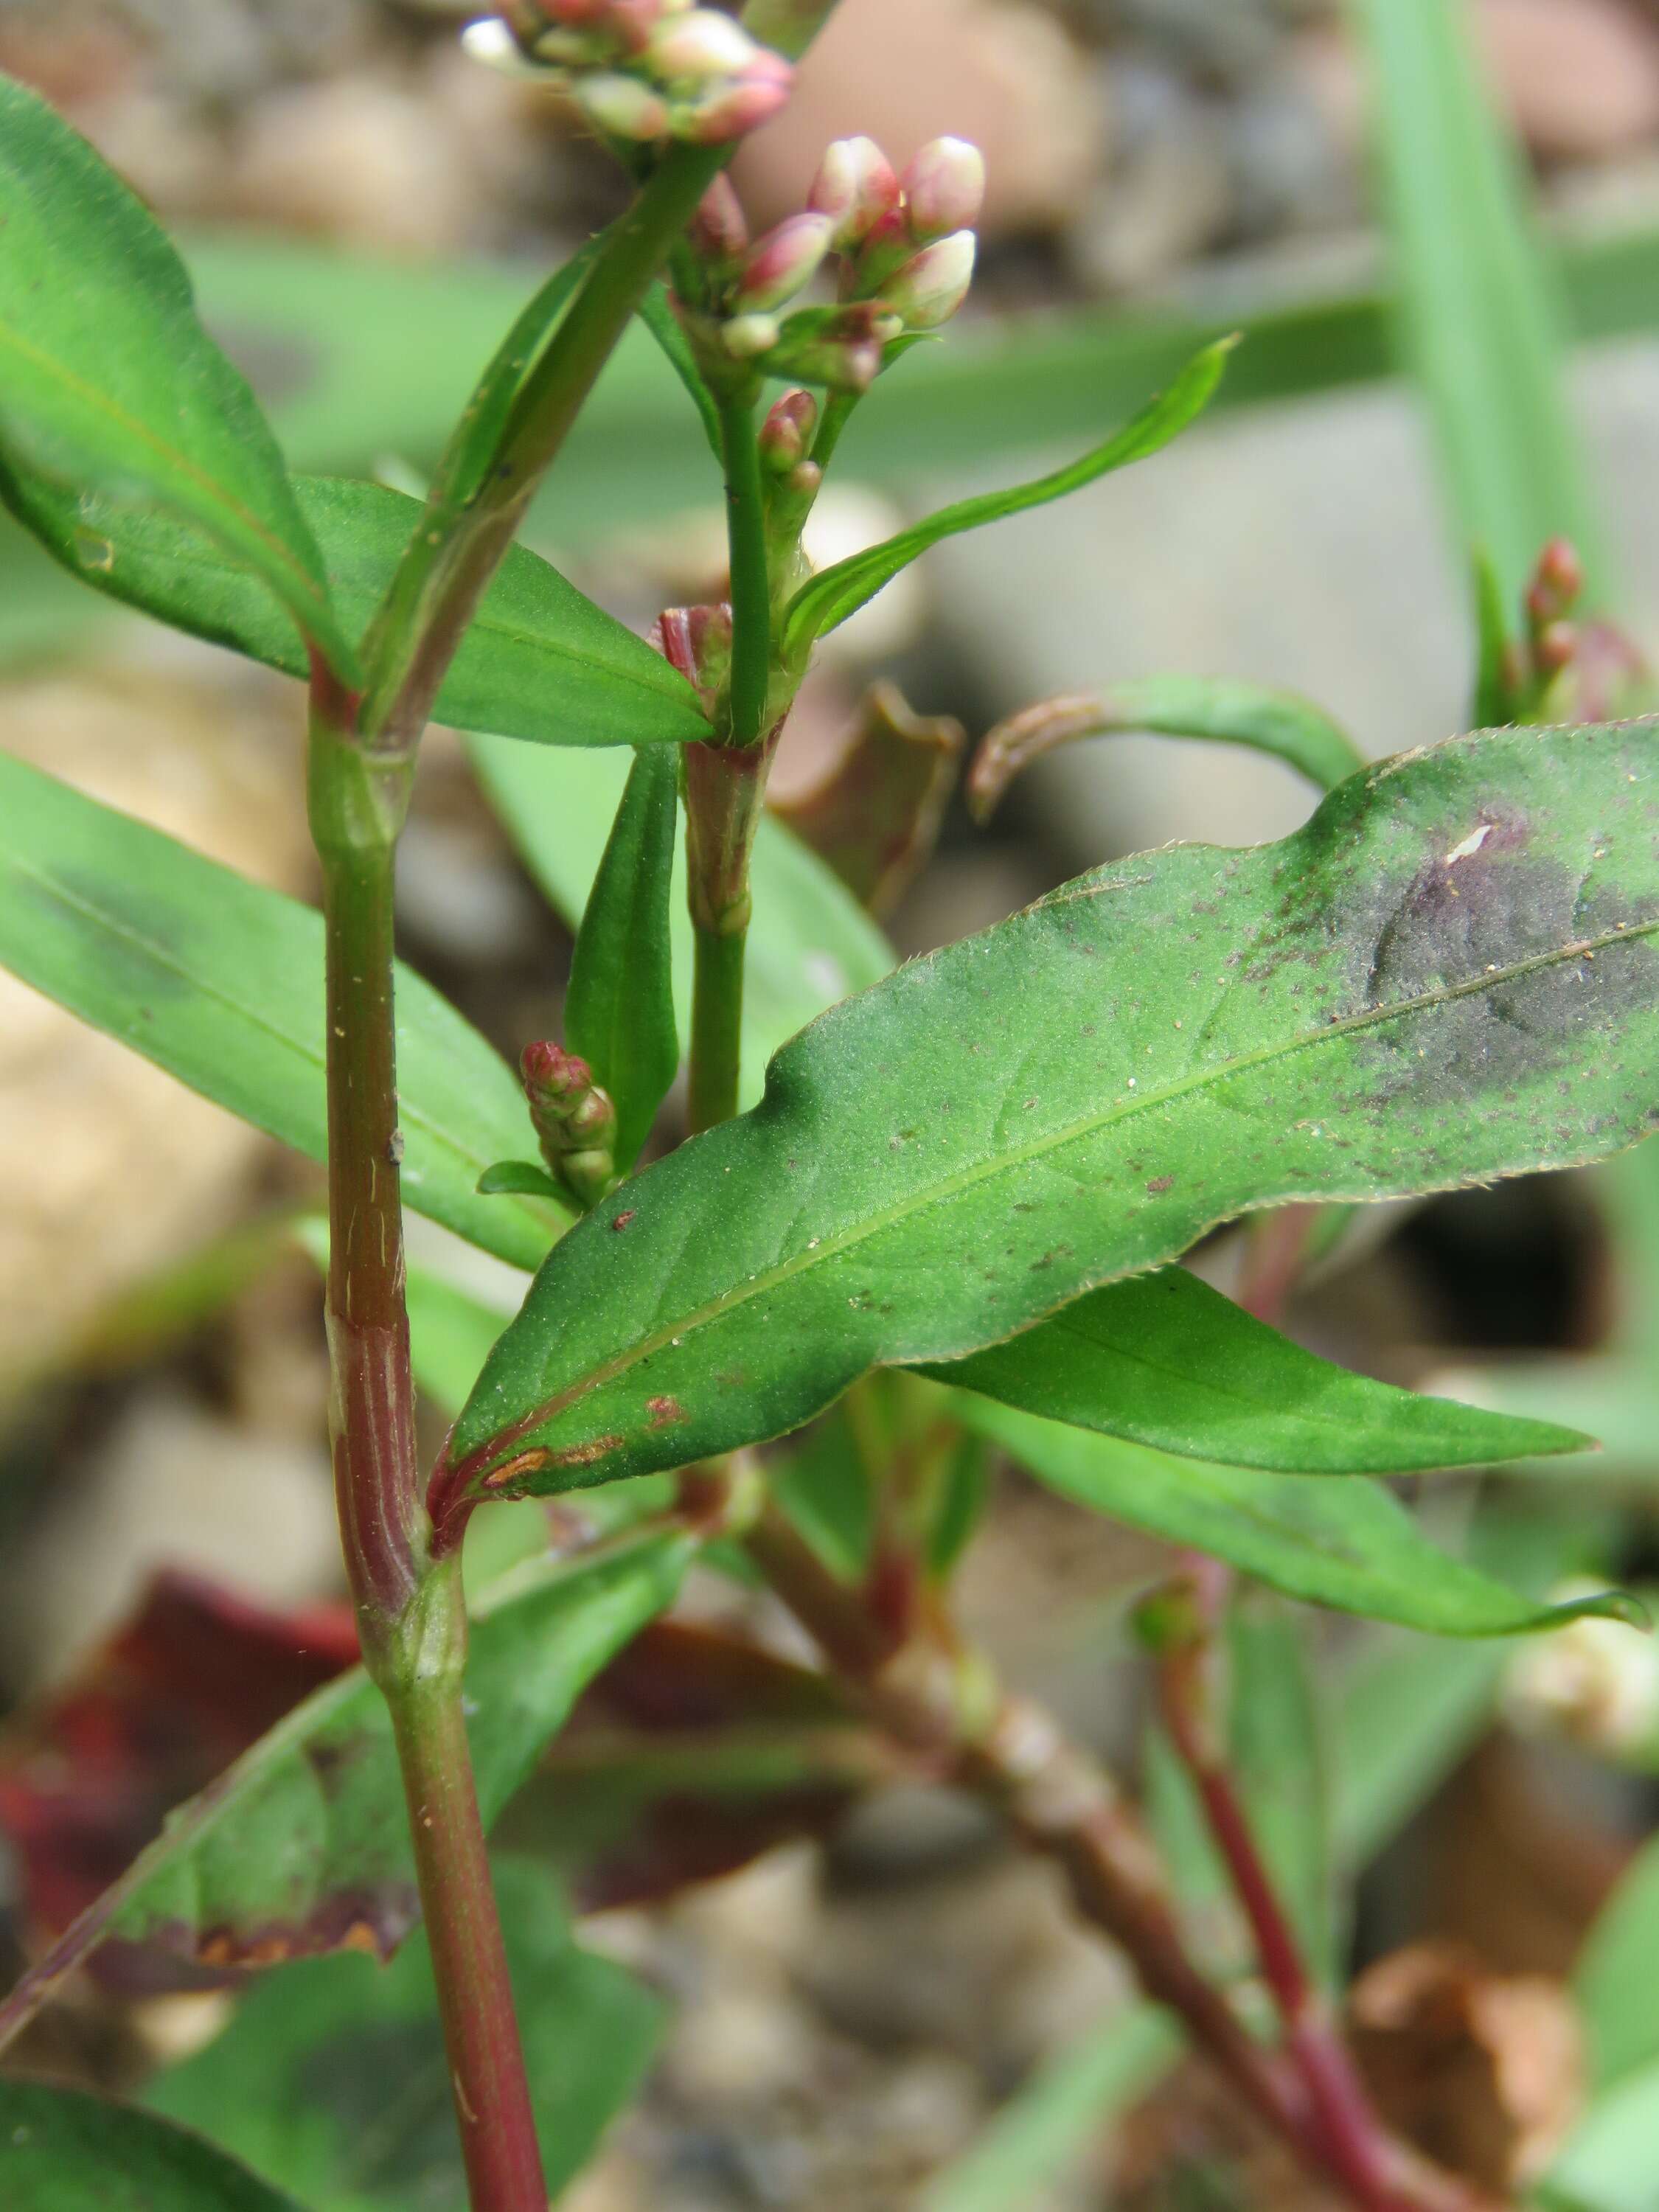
x,y
364,209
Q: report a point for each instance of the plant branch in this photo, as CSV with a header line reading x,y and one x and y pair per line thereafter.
x,y
440,581
411,1616
1055,1798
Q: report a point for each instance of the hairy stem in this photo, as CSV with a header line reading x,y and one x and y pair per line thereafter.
x,y
412,1620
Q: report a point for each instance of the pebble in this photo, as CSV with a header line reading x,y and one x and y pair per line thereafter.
x,y
1580,76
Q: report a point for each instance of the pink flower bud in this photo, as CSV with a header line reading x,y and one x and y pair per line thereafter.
x,y
1557,582
855,186
784,261
943,189
699,47
745,336
622,106
933,284
735,109
719,230
788,431
552,1076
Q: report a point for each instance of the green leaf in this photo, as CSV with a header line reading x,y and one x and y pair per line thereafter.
x,y
1056,2119
1607,2165
302,1846
619,1007
331,2082
1166,1360
1483,325
813,945
1348,1545
540,661
658,315
220,982
1442,978
1616,1980
111,383
829,598
521,1179
63,2151
1290,728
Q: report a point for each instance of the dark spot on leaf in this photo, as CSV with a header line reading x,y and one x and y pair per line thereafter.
x,y
1159,1184
623,1219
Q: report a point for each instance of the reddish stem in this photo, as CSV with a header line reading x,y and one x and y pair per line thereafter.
x,y
1353,2143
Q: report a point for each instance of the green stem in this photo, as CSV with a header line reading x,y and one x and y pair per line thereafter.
x,y
716,1028
438,586
752,597
410,1620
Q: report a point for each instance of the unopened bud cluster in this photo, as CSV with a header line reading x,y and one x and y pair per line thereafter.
x,y
643,69
575,1120
1563,668
902,248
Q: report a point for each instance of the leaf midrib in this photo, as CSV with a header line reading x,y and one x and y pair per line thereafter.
x,y
218,493
829,1248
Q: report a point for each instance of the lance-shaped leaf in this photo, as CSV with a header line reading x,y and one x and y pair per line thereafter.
x,y
874,815
540,661
1166,1360
62,2151
220,982
111,384
302,1846
838,593
1292,729
1444,976
1349,1545
619,1009
811,946
304,2082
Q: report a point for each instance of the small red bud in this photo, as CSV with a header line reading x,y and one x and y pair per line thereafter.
x,y
1557,581
788,431
575,1120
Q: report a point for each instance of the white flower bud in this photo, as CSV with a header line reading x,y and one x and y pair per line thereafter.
x,y
943,189
784,261
699,47
855,186
933,284
622,106
745,336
